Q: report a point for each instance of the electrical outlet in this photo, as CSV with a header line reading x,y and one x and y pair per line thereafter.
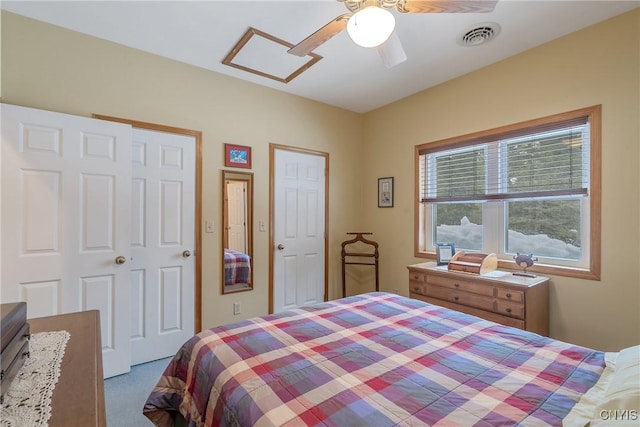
x,y
236,308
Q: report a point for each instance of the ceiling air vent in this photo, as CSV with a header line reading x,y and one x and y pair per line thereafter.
x,y
479,34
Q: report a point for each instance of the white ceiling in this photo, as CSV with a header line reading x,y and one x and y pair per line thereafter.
x,y
203,32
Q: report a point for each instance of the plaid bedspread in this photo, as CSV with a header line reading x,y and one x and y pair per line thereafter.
x,y
372,360
237,267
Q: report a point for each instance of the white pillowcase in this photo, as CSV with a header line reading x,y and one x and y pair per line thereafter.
x,y
620,406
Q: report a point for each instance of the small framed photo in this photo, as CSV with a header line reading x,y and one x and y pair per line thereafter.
x,y
444,253
385,192
237,156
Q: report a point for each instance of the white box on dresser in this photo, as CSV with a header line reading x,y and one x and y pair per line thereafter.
x,y
499,296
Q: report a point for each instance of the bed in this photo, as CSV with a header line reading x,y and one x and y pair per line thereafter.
x,y
378,359
237,268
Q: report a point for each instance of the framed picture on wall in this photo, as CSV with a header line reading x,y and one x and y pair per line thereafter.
x,y
237,156
385,192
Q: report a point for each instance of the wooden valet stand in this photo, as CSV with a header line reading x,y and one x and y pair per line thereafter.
x,y
359,237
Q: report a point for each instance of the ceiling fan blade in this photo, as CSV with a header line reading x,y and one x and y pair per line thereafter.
x,y
446,6
307,45
392,52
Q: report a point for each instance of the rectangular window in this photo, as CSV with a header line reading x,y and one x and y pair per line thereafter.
x,y
459,223
533,187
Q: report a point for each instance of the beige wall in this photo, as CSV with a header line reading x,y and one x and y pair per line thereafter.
x,y
50,68
599,65
54,69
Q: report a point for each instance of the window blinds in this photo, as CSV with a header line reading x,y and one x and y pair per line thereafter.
x,y
535,163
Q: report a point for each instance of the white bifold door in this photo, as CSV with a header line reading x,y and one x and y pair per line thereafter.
x,y
72,239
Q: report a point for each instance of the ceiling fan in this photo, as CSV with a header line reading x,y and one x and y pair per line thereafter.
x,y
370,24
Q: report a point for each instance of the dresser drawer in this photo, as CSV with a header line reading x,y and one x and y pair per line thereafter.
x,y
461,285
416,277
460,297
509,295
417,287
510,309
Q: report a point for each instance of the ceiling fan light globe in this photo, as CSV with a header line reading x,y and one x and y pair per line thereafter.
x,y
371,26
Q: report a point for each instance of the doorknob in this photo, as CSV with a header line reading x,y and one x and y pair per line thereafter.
x,y
186,254
120,260
280,247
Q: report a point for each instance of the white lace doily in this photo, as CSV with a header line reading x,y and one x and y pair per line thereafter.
x,y
28,400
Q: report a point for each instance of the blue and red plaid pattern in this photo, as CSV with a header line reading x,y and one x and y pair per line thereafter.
x,y
237,267
373,360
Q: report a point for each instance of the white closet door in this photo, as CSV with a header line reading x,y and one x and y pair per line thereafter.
x,y
66,184
162,244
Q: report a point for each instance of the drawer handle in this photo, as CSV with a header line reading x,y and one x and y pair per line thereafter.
x,y
457,285
508,310
415,288
456,298
508,295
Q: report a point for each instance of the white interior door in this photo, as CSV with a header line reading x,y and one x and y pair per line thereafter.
x,y
299,229
237,214
66,183
162,243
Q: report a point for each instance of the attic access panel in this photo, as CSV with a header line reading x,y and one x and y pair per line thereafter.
x,y
265,55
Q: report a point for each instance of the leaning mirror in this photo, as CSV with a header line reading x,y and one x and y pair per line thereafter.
x,y
237,235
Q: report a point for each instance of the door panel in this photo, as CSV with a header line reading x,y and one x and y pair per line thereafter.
x,y
97,293
64,223
97,215
41,212
289,282
299,229
138,212
162,279
137,304
170,213
312,280
171,295
42,297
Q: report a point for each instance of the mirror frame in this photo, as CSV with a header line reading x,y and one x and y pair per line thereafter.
x,y
228,175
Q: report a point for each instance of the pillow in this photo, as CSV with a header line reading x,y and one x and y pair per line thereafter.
x,y
620,406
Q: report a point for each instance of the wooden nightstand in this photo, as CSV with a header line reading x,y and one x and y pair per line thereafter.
x,y
499,296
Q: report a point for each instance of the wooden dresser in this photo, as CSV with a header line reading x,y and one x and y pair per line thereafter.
x,y
78,398
499,296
